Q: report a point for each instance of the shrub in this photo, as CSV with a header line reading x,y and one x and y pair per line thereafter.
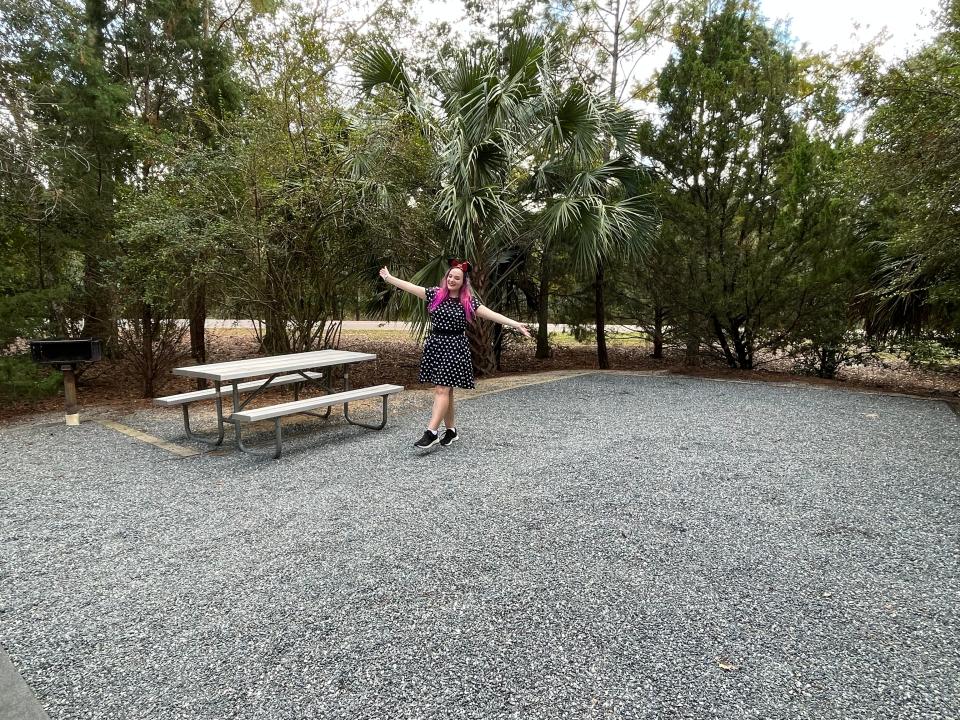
x,y
22,380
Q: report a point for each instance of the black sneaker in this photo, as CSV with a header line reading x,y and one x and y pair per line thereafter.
x,y
449,436
428,440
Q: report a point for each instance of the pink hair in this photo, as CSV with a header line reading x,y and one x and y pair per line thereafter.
x,y
466,295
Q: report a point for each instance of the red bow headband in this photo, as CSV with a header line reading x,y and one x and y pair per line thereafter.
x,y
462,264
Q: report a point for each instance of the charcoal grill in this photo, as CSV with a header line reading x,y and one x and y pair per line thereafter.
x,y
66,355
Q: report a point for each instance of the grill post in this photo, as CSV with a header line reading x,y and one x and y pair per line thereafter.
x,y
72,415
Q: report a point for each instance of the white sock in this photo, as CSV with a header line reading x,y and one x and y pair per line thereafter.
x,y
452,429
431,431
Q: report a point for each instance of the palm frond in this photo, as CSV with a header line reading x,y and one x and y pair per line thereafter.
x,y
562,217
377,65
380,65
466,74
900,296
523,55
572,126
623,126
467,209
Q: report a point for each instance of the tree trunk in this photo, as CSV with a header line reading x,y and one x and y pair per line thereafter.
x,y
197,309
691,357
480,335
198,319
722,339
829,362
146,320
97,322
276,341
543,336
615,53
741,345
99,178
603,360
480,332
658,315
498,345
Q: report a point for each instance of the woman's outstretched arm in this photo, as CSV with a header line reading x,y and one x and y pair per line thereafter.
x,y
488,314
403,284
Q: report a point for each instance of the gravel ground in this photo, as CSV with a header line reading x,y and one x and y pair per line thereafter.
x,y
603,546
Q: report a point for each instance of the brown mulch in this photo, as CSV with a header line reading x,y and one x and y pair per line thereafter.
x,y
112,386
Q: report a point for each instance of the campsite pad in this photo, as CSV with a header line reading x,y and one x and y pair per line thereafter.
x,y
601,545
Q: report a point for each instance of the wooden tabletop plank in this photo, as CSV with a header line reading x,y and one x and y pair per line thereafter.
x,y
277,363
322,356
255,367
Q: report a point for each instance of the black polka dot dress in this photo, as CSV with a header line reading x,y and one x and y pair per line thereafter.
x,y
446,354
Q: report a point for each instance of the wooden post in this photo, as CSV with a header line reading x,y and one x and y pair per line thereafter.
x,y
70,395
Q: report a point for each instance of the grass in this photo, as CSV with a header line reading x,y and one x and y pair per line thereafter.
x,y
378,334
613,340
556,339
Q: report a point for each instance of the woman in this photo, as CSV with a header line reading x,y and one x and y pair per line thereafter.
x,y
446,359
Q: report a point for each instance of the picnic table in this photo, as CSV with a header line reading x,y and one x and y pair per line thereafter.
x,y
255,375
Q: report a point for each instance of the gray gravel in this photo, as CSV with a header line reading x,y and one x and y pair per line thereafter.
x,y
599,547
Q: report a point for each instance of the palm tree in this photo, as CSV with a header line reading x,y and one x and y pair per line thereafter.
x,y
485,118
602,214
593,197
518,142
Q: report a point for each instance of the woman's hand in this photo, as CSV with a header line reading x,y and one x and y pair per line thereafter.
x,y
385,274
523,329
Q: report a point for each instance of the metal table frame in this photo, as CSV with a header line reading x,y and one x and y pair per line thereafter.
x,y
236,371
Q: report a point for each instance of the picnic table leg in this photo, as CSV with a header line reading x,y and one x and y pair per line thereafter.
x,y
278,442
346,386
328,386
383,421
235,396
297,387
220,431
326,413
197,438
218,401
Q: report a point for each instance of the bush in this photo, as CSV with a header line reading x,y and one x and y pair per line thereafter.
x,y
930,353
22,380
583,333
153,347
825,356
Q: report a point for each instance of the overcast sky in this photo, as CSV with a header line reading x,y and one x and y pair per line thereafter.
x,y
822,24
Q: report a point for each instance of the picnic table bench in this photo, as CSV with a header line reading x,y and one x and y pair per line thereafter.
x,y
233,378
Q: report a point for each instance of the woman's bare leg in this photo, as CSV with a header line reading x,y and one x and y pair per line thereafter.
x,y
440,397
448,416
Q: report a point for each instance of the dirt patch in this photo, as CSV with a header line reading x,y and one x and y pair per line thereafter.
x,y
112,387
